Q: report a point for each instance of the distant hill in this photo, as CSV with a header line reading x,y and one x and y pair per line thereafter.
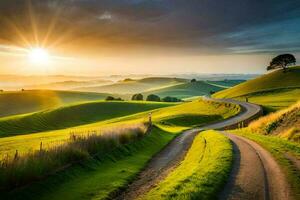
x,y
67,85
274,90
129,86
18,102
193,89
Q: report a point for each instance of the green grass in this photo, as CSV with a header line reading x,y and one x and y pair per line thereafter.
x,y
278,148
70,116
274,100
99,177
284,123
17,102
190,120
186,90
226,83
17,171
274,91
25,143
201,174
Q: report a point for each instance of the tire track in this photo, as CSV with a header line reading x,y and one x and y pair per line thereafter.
x,y
255,175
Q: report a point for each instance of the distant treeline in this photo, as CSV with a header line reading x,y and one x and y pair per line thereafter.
x,y
150,97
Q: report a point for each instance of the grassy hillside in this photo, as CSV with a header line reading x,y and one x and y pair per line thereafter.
x,y
284,123
274,90
187,90
226,83
135,86
100,176
164,117
201,174
12,103
72,115
274,80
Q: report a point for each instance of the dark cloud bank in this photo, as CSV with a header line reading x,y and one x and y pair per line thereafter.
x,y
231,26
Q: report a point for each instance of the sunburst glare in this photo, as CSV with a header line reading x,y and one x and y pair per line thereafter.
x,y
38,56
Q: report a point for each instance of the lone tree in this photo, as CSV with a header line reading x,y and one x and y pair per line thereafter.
x,y
153,97
193,80
137,97
282,61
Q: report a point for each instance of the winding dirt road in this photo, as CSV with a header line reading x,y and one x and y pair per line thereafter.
x,y
169,158
255,174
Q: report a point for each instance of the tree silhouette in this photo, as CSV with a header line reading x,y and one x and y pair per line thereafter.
x,y
282,61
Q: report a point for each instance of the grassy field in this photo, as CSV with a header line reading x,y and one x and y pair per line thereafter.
x,y
12,103
187,90
99,177
201,174
279,148
72,115
274,91
18,170
25,143
135,86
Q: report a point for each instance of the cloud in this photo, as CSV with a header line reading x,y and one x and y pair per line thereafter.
x,y
206,26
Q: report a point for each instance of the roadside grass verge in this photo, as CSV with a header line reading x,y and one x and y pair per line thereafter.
x,y
19,170
279,148
203,172
100,176
284,123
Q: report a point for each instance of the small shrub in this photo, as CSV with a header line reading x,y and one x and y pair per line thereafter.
x,y
111,98
171,99
137,97
153,97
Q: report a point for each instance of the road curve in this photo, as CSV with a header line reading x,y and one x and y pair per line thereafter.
x,y
255,174
166,160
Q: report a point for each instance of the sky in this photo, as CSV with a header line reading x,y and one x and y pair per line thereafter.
x,y
97,37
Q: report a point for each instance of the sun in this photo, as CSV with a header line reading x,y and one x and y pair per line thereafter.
x,y
38,55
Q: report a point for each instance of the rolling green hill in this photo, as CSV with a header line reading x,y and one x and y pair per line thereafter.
x,y
274,80
72,115
186,90
130,86
274,90
17,102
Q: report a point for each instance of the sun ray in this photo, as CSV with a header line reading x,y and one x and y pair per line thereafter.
x,y
33,22
52,24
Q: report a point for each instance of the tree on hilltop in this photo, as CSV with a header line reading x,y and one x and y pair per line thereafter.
x,y
282,61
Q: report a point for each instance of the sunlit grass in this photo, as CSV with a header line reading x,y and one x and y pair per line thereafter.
x,y
201,174
25,143
99,177
72,115
279,120
18,170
